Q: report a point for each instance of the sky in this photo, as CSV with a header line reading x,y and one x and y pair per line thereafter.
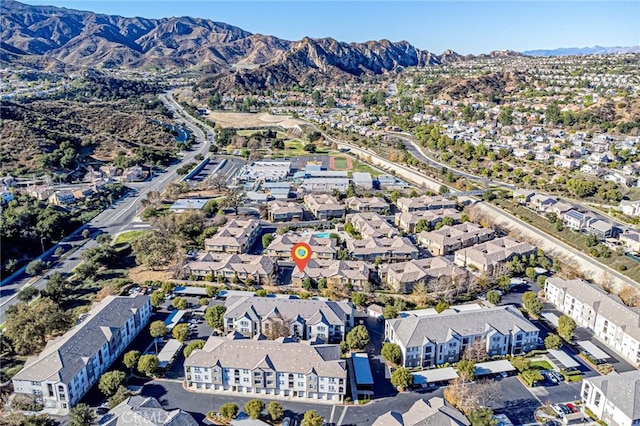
x,y
474,27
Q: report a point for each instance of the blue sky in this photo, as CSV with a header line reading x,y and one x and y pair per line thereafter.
x,y
464,26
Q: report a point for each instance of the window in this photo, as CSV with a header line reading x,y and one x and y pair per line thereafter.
x,y
597,399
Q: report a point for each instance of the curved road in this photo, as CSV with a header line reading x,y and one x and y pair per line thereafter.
x,y
114,219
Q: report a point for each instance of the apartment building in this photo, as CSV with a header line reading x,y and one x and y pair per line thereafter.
x,y
324,206
281,367
260,269
146,411
69,365
285,211
424,202
402,277
448,239
321,248
387,249
236,236
371,224
427,341
614,398
303,319
408,221
488,256
614,323
371,204
435,411
338,273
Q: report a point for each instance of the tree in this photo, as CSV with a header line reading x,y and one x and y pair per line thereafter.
x,y
359,299
531,303
181,332
148,364
81,415
391,353
275,411
180,303
234,200
157,329
477,351
157,297
35,267
530,272
390,312
27,293
566,327
422,225
229,410
56,287
154,249
402,379
212,291
520,363
192,346
441,306
493,297
254,408
312,418
130,359
552,341
121,394
111,381
504,282
482,416
215,316
358,337
466,369
266,240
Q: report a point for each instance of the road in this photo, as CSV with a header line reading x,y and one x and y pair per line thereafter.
x,y
117,218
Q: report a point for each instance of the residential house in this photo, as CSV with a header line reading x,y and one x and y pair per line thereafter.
x,y
283,211
324,206
542,202
303,319
62,198
259,269
614,398
82,193
559,208
424,202
435,411
614,323
337,273
132,174
631,240
41,193
402,277
448,239
487,256
522,195
268,368
565,163
431,340
321,248
630,208
145,411
71,364
575,220
387,249
408,221
371,204
371,224
236,236
602,229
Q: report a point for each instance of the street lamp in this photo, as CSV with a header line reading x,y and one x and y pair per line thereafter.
x,y
42,244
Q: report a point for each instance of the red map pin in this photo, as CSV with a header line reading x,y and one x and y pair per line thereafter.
x,y
301,253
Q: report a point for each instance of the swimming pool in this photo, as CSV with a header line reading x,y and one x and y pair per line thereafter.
x,y
323,235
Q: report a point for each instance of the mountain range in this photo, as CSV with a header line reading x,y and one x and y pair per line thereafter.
x,y
579,51
53,36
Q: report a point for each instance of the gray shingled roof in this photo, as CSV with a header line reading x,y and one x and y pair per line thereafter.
x,y
261,307
609,306
281,355
414,331
63,358
623,390
434,412
145,411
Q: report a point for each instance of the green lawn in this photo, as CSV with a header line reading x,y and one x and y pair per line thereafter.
x,y
541,365
340,163
127,237
359,166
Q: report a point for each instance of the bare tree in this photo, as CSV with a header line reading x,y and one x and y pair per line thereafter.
x,y
217,181
420,295
274,328
485,391
476,351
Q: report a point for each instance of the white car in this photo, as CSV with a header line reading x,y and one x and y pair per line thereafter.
x,y
559,411
286,421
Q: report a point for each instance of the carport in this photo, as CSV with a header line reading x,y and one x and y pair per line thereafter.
x,y
434,375
493,367
551,317
563,358
593,350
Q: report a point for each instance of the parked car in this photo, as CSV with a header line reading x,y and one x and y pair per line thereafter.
x,y
504,374
559,411
286,421
564,408
572,407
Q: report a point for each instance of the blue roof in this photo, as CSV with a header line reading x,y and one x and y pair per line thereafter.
x,y
170,318
575,215
362,368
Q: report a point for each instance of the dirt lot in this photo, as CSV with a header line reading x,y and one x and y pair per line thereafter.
x,y
242,119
